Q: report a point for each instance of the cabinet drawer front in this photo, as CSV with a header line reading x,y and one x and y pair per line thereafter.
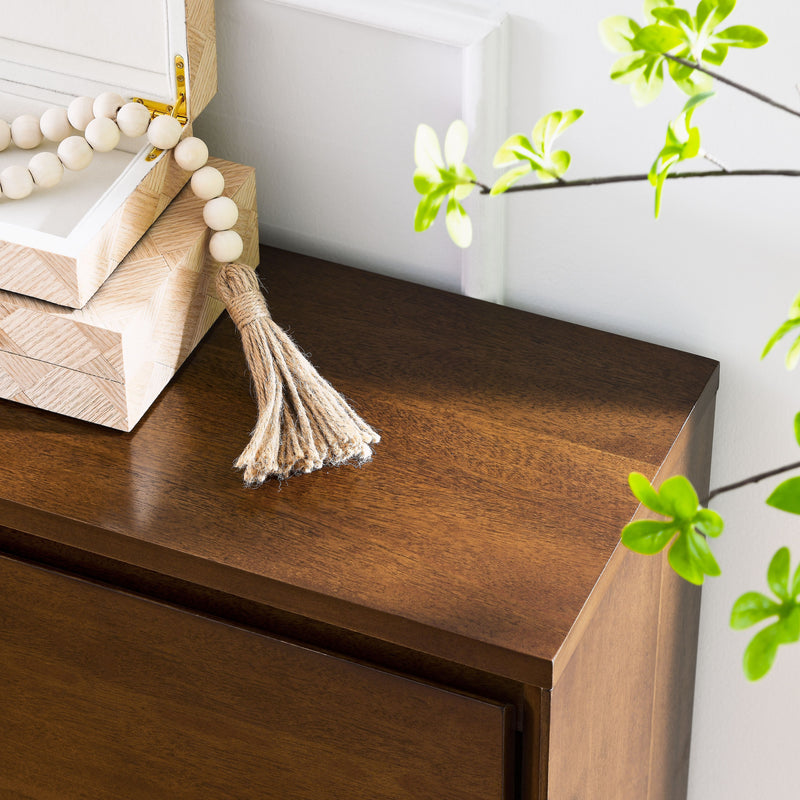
x,y
105,694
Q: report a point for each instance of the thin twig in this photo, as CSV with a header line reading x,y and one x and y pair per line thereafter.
x,y
722,79
753,479
534,187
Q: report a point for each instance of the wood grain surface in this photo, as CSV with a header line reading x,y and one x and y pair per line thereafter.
x,y
477,534
107,695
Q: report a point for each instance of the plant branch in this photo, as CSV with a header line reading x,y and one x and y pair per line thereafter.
x,y
533,187
752,479
722,79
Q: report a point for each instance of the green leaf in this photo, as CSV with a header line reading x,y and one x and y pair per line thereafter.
x,y
648,85
651,5
789,626
793,354
711,12
511,177
778,574
786,496
660,181
691,557
680,497
618,32
455,142
425,182
676,17
428,208
742,36
796,583
797,427
695,100
465,181
782,330
644,492
427,154
751,608
715,54
695,83
515,148
658,39
551,126
628,68
692,146
760,653
708,522
458,223
559,163
648,536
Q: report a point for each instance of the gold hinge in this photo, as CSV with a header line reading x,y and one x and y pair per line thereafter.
x,y
178,109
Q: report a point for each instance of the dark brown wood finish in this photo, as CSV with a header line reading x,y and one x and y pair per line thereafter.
x,y
478,550
491,509
111,696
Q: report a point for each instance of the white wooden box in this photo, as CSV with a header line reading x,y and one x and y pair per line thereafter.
x,y
60,244
108,361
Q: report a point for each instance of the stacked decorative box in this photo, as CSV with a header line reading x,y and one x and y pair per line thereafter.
x,y
106,284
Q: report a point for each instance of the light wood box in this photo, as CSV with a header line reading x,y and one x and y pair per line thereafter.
x,y
108,361
60,244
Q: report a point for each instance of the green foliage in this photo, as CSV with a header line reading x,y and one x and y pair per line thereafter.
x,y
673,30
786,496
793,322
438,179
754,607
683,143
688,523
536,154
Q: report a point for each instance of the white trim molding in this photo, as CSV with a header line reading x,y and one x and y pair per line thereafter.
x,y
481,33
450,22
485,107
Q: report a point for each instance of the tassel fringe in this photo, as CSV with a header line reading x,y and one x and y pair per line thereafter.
x,y
303,422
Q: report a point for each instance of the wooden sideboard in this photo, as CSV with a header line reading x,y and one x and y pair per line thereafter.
x,y
454,621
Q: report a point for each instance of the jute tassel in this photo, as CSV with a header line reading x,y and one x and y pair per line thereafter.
x,y
303,422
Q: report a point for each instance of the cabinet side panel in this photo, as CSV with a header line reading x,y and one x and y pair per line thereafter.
x,y
678,631
621,709
602,705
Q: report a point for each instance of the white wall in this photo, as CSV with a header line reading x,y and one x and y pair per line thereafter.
x,y
326,109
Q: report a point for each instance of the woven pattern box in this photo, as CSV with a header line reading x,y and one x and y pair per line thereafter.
x,y
60,244
108,361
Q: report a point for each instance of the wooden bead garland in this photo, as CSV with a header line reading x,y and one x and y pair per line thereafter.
x,y
55,124
25,132
303,423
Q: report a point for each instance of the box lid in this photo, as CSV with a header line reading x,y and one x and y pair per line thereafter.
x,y
49,54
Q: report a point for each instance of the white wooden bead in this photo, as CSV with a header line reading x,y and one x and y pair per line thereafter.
x,y
75,153
102,134
208,182
80,112
133,119
46,169
225,246
54,124
220,214
164,132
16,182
5,135
191,154
107,104
25,132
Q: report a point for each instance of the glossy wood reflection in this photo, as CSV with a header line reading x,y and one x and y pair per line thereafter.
x,y
471,572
